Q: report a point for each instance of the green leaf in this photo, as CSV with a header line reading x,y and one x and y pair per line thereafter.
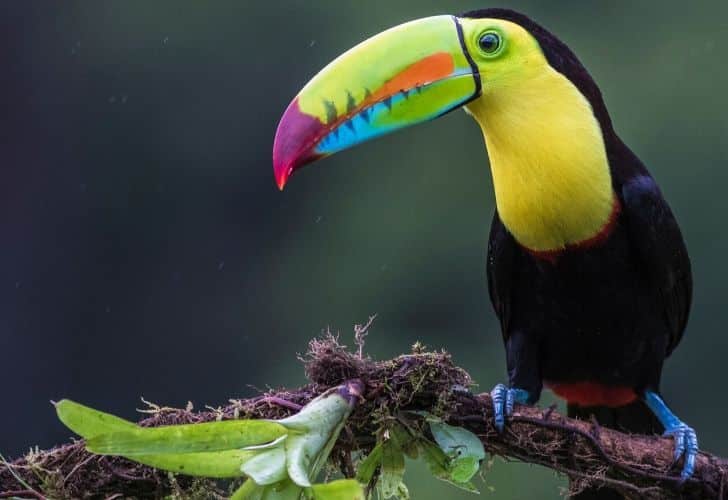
x,y
343,489
268,466
214,464
456,441
463,469
440,465
284,490
406,441
392,468
463,448
368,467
314,431
435,458
280,457
87,422
188,438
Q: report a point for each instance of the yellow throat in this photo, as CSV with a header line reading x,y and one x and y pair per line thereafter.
x,y
547,156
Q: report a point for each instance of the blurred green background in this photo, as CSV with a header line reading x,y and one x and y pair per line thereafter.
x,y
147,252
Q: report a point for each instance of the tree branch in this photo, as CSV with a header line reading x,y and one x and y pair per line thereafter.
x,y
638,466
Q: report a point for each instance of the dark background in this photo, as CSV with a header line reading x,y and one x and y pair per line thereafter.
x,y
146,251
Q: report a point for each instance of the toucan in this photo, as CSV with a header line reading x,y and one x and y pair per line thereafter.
x,y
587,269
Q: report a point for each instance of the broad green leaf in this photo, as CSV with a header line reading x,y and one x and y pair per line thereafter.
x,y
267,466
463,469
392,471
247,491
456,441
298,460
213,464
463,448
87,422
343,489
440,465
284,490
435,458
280,456
188,438
314,432
324,411
369,465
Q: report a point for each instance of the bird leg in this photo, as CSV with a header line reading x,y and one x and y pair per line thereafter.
x,y
686,440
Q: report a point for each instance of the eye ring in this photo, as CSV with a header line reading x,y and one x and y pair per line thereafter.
x,y
490,43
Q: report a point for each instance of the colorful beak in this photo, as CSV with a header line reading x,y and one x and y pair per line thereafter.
x,y
406,75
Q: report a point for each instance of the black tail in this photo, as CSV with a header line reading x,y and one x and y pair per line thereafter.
x,y
634,418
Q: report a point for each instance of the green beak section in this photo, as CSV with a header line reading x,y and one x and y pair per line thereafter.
x,y
406,75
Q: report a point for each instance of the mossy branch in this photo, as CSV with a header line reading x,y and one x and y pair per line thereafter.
x,y
637,466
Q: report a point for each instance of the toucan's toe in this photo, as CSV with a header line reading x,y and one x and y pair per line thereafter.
x,y
686,445
504,399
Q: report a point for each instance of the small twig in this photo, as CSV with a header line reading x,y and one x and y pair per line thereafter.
x,y
360,333
275,400
154,408
22,493
78,466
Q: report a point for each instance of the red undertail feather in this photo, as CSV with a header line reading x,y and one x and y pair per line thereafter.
x,y
593,393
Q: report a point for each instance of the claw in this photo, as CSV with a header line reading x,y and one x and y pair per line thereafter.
x,y
686,444
504,399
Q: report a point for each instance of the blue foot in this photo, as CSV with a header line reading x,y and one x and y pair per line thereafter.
x,y
503,400
686,441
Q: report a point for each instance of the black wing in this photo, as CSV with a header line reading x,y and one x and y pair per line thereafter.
x,y
655,235
502,250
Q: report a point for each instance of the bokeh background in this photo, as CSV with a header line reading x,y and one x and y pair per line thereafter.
x,y
146,251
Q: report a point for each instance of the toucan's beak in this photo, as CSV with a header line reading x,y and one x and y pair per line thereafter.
x,y
408,74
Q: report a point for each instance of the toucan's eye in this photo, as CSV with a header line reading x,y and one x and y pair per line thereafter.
x,y
489,43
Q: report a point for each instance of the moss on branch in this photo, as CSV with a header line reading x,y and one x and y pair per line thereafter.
x,y
637,466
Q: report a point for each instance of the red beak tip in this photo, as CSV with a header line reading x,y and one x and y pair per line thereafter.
x,y
281,175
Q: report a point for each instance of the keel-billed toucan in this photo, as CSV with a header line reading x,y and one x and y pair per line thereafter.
x,y
587,269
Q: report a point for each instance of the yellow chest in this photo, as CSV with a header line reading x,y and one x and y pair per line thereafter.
x,y
550,170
